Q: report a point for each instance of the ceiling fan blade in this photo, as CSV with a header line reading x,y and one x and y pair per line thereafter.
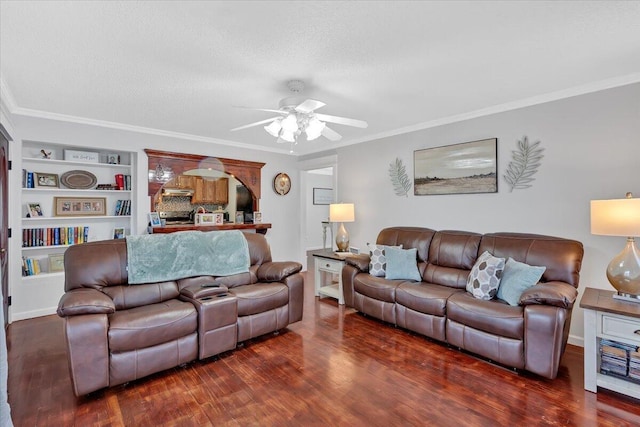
x,y
331,134
342,121
261,109
309,105
261,122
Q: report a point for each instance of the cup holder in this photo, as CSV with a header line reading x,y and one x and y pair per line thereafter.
x,y
221,295
206,298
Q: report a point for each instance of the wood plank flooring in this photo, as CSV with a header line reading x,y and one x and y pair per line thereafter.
x,y
335,368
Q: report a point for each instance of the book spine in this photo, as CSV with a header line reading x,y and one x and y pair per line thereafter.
x,y
86,234
120,181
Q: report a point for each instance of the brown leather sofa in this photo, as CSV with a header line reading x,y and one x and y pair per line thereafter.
x,y
116,332
530,336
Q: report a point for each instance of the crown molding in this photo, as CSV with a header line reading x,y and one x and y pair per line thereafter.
x,y
509,106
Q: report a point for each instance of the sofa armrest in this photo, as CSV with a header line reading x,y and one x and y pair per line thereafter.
x,y
559,294
361,262
194,292
85,301
277,271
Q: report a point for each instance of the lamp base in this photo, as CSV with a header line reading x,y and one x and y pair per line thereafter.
x,y
627,297
342,239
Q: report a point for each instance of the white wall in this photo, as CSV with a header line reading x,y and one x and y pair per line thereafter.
x,y
592,151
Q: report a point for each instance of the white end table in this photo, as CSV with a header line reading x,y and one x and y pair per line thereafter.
x,y
327,264
611,319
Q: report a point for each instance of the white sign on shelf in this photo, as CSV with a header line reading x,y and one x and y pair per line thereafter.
x,y
81,156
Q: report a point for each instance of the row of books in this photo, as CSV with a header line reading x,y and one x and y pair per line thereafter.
x,y
28,179
123,182
54,236
615,358
30,266
634,365
123,207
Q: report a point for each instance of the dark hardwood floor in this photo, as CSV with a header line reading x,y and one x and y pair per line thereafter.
x,y
336,367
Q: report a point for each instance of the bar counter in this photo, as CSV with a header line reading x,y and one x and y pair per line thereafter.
x,y
259,228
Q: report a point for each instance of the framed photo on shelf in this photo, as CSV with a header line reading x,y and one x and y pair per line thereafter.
x,y
154,219
56,263
34,210
118,233
257,217
239,217
80,206
113,159
46,180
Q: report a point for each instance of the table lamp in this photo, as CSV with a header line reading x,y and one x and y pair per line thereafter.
x,y
342,212
620,217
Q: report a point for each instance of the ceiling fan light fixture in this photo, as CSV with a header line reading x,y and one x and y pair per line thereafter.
x,y
274,127
287,135
290,123
314,129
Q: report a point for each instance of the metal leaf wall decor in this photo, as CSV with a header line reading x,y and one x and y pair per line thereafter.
x,y
399,178
526,161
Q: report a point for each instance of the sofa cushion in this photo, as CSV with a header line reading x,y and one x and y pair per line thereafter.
x,y
152,324
424,298
378,260
260,297
516,278
484,279
494,317
402,264
377,288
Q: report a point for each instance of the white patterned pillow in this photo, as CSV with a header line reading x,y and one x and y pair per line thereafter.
x,y
484,279
378,260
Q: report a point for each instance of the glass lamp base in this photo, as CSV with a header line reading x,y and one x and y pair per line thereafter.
x,y
342,239
623,271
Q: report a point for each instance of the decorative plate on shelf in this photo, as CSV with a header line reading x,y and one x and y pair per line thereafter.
x,y
78,180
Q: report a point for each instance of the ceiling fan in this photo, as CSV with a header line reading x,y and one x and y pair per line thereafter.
x,y
297,115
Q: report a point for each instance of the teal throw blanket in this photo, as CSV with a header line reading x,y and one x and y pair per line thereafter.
x,y
172,256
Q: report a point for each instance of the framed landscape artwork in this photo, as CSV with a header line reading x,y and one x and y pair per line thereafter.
x,y
470,167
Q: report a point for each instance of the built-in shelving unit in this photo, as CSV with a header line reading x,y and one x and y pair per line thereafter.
x,y
38,294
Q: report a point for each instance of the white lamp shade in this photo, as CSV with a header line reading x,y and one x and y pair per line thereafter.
x,y
616,217
341,212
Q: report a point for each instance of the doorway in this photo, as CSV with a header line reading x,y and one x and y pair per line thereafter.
x,y
4,222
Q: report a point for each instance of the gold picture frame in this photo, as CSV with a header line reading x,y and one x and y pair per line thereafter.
x,y
80,206
46,180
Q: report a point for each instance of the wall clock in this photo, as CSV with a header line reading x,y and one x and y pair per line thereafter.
x,y
282,183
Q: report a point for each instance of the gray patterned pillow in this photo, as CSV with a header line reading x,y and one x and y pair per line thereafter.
x,y
484,279
378,260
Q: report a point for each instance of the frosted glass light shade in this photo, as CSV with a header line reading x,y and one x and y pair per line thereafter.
x,y
290,123
274,127
314,129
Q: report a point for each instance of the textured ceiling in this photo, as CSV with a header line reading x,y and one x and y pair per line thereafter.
x,y
184,67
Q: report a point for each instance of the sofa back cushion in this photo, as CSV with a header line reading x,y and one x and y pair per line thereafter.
x,y
561,257
130,296
259,251
408,237
95,265
451,257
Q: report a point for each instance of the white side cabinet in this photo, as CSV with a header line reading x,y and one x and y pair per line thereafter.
x,y
606,318
65,215
328,265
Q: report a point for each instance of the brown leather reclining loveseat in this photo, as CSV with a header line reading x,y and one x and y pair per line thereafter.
x,y
117,332
530,336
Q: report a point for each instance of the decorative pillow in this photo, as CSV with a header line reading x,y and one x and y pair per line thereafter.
x,y
517,277
484,279
402,264
378,261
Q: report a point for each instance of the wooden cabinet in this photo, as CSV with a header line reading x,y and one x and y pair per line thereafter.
x,y
183,181
214,191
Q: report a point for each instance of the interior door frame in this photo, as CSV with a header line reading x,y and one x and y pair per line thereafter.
x,y
5,139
